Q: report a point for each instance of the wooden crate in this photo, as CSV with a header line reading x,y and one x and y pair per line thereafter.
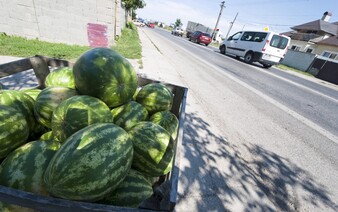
x,y
165,189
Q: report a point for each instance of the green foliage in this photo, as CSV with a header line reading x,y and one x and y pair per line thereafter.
x,y
178,22
134,4
128,44
22,47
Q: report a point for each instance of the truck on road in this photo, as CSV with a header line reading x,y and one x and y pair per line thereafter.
x,y
193,26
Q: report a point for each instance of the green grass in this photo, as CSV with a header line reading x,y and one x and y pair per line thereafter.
x,y
129,44
22,47
284,67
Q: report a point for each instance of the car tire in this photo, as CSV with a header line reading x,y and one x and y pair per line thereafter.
x,y
206,44
248,58
266,65
189,38
222,49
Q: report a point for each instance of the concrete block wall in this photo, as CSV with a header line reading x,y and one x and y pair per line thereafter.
x,y
299,60
61,21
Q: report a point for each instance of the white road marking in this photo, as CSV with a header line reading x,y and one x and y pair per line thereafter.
x,y
297,116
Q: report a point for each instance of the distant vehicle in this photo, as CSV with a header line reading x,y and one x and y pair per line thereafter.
x,y
267,48
138,23
151,25
193,26
200,37
177,31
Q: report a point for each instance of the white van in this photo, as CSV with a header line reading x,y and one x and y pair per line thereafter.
x,y
267,48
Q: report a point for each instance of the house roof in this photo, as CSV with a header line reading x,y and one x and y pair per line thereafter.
x,y
318,25
331,41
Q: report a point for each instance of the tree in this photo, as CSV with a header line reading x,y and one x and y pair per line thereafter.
x,y
134,4
178,22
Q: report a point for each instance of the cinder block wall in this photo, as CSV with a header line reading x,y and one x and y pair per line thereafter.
x,y
62,21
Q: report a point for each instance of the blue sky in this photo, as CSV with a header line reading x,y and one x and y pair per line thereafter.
x,y
277,15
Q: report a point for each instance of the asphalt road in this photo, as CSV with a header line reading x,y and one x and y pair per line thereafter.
x,y
255,139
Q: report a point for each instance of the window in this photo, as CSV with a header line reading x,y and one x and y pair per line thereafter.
x,y
309,50
236,36
294,47
253,36
279,42
331,55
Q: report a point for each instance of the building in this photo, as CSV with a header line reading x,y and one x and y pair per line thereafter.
x,y
318,37
82,22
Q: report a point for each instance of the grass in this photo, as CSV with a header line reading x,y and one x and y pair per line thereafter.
x,y
284,67
22,47
129,44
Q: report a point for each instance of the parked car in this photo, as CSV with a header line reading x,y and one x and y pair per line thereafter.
x,y
177,31
200,37
151,25
267,48
138,23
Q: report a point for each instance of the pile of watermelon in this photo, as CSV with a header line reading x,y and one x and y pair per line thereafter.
x,y
91,135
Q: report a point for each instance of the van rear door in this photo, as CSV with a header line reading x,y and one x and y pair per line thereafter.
x,y
275,48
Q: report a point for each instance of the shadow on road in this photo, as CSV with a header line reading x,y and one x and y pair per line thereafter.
x,y
217,176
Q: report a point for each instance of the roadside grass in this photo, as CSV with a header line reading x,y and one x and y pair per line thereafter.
x,y
284,67
128,45
214,44
22,47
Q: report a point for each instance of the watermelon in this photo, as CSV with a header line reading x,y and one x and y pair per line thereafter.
x,y
48,100
14,130
155,97
24,167
5,207
105,74
33,92
78,112
61,77
131,191
47,136
153,149
22,102
90,163
129,114
167,120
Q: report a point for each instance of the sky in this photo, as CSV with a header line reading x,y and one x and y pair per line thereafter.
x,y
276,15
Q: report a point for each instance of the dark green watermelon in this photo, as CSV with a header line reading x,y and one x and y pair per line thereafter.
x,y
153,149
32,92
134,189
78,112
167,120
61,77
14,130
22,102
90,163
24,168
155,97
48,100
129,114
105,74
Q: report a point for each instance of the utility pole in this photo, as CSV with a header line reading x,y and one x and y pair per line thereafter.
x,y
219,16
232,23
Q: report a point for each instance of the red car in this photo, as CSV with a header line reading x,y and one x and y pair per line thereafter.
x,y
200,37
151,25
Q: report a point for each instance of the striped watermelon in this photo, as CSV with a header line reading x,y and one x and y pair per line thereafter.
x,y
5,207
48,100
61,77
167,120
91,163
47,136
105,74
134,189
153,149
23,168
32,92
78,112
129,114
155,97
22,102
14,130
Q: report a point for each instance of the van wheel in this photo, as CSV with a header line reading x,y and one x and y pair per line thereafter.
x,y
267,65
222,49
248,58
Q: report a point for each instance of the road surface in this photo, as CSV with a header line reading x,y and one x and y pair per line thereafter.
x,y
255,139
